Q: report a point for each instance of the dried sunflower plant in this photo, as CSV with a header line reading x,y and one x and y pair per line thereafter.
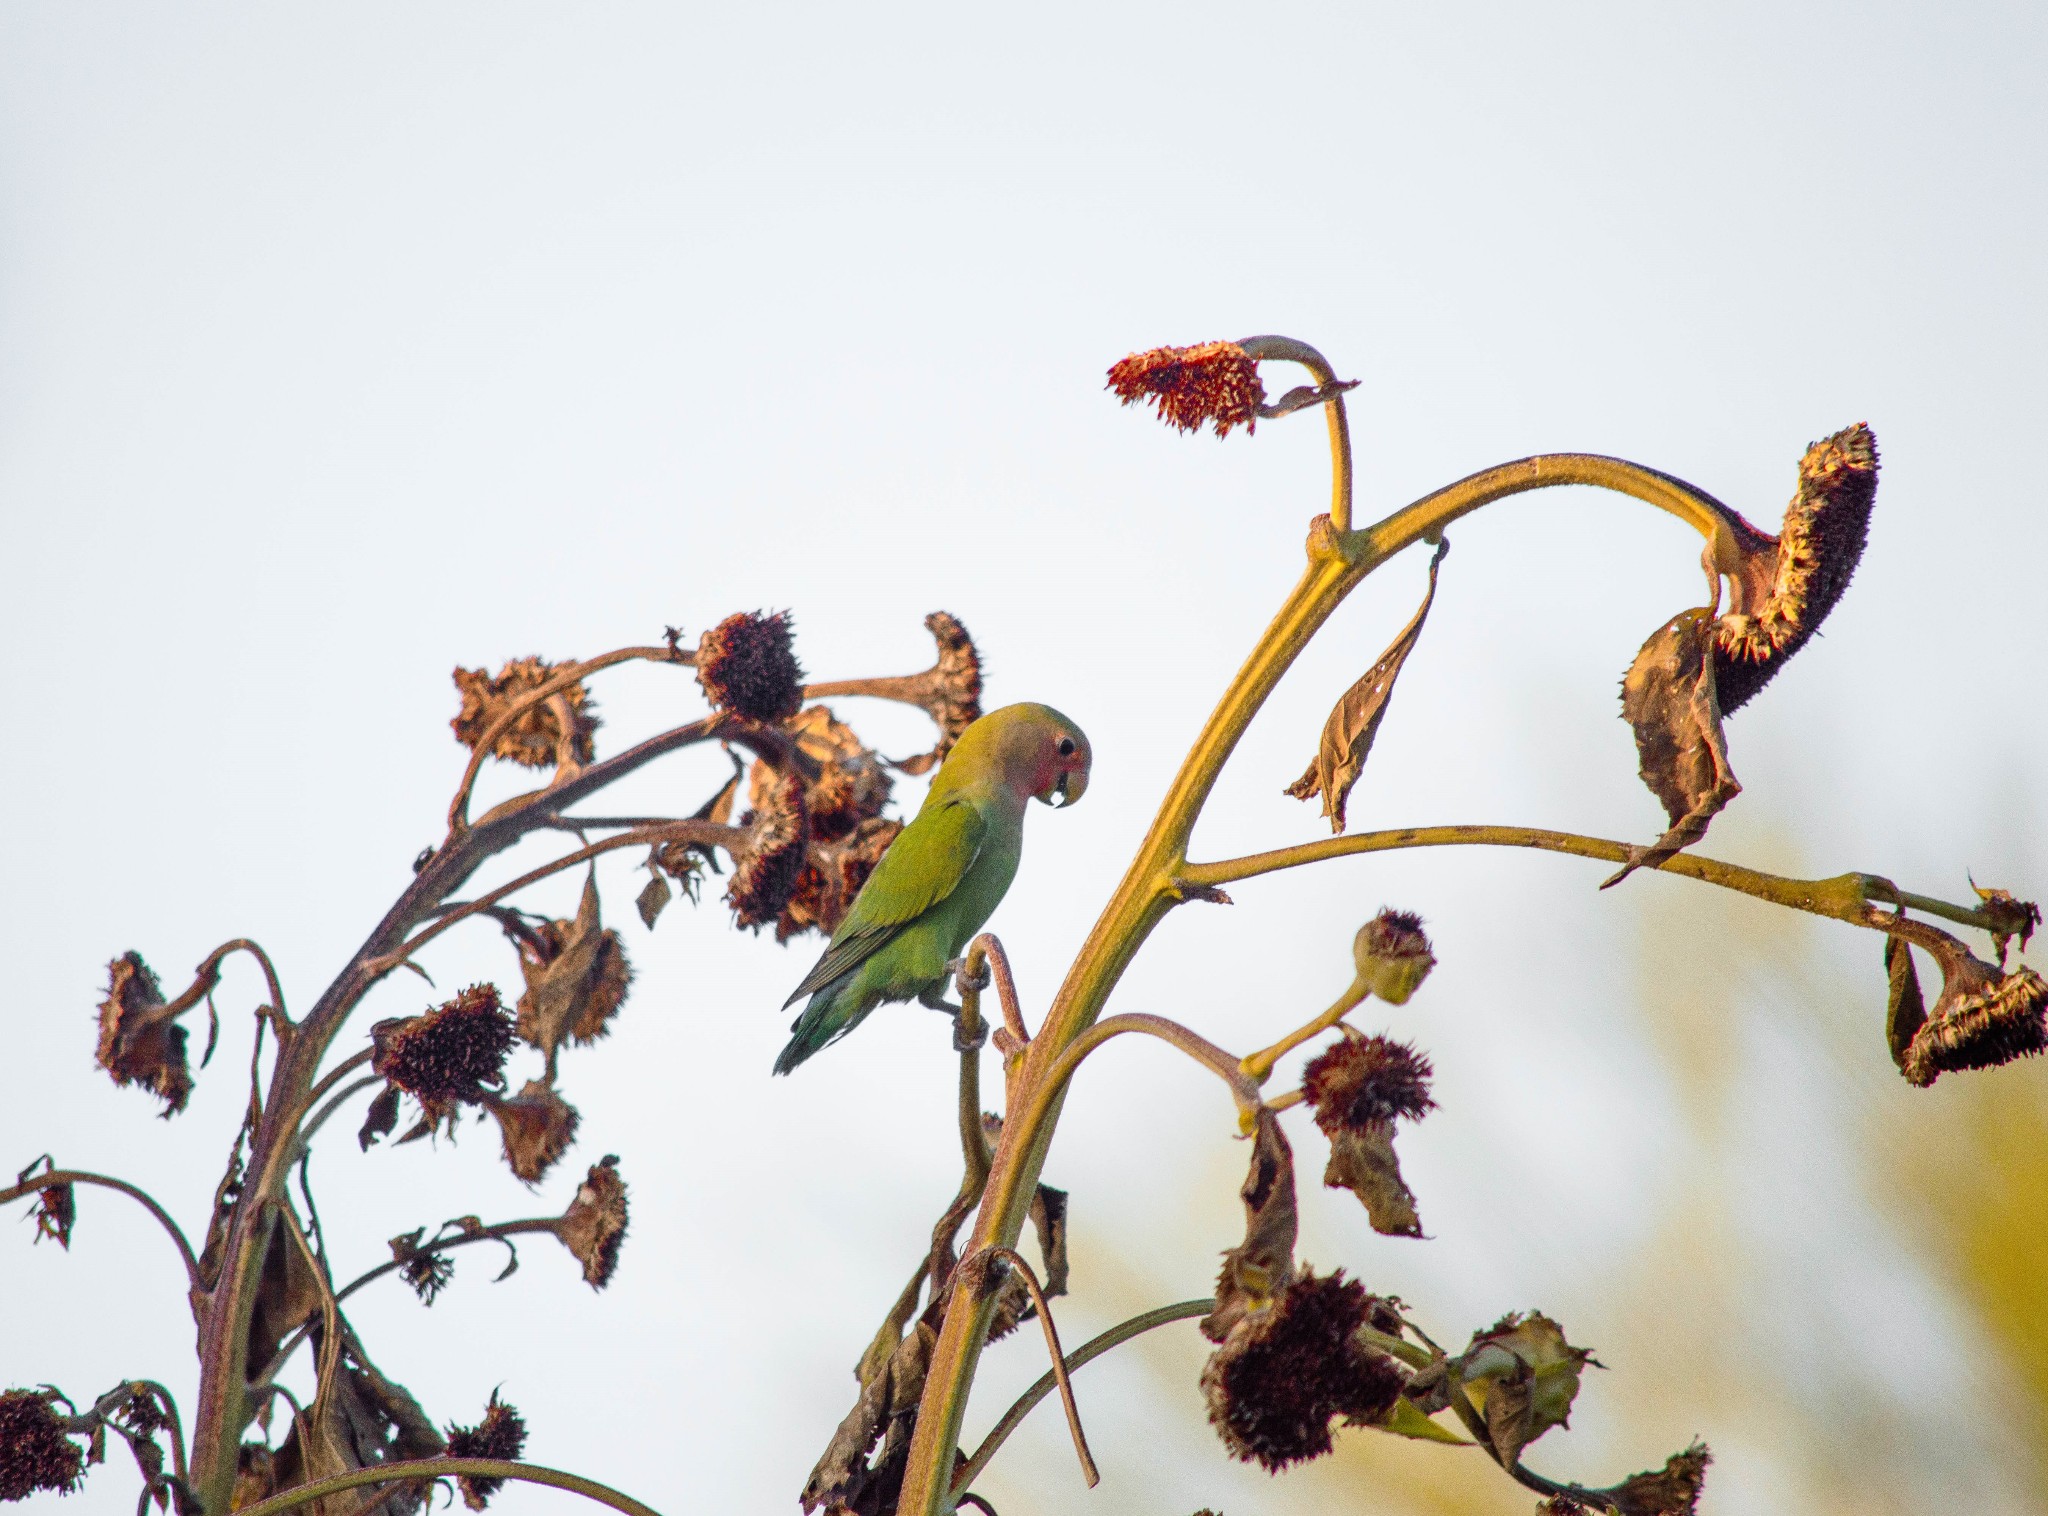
x,y
1299,1355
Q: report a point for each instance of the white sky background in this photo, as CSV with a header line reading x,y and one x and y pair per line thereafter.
x,y
337,348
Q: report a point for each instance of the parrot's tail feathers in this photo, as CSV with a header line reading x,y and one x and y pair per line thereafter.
x,y
823,1022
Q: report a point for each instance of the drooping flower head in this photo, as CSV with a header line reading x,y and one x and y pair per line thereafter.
x,y
1215,383
748,666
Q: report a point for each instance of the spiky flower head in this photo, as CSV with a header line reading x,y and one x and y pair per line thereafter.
x,y
427,1273
748,666
1392,954
451,1054
140,1040
956,683
535,738
1982,1019
1286,1372
768,866
594,1226
1215,382
1785,586
538,1125
34,1452
501,1434
1362,1081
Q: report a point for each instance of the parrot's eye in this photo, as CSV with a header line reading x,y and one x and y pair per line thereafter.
x,y
1066,747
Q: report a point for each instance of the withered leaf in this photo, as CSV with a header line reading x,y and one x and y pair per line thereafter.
x,y
886,1411
1013,1298
1668,697
1905,1009
573,990
1523,1376
1260,1267
655,895
382,1118
1362,1160
1348,734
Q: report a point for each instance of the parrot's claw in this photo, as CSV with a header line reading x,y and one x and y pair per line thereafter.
x,y
969,983
935,999
962,1043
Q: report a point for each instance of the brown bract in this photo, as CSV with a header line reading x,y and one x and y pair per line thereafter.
x,y
1392,955
768,866
1784,587
426,1271
1673,1490
451,1054
536,738
1213,383
140,1039
538,1125
576,976
747,665
2011,917
501,1434
1258,1269
55,1213
1348,734
1983,1018
1522,1377
851,785
1669,697
34,1452
1287,1371
594,1226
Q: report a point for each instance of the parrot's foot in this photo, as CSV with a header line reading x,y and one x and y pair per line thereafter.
x,y
969,983
962,1042
935,999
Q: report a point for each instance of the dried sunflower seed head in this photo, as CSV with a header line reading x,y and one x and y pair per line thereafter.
x,y
747,665
501,1434
538,1125
536,737
448,1055
35,1454
1213,383
594,1226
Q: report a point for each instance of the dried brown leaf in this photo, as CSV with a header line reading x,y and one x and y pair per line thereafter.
x,y
653,897
1348,734
1258,1269
1905,1007
1668,697
1362,1160
576,976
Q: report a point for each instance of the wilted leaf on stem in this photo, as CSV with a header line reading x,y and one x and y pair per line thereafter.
x,y
140,1039
1013,1298
1522,1376
1258,1269
362,1420
1673,1490
1668,696
576,978
537,1125
885,1411
1348,734
594,1226
2012,918
535,738
653,897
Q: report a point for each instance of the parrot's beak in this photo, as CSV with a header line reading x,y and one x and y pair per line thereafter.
x,y
1065,790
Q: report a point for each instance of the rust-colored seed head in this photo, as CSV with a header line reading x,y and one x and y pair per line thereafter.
x,y
1216,382
594,1226
534,738
1673,1490
1982,1020
1285,1373
747,666
769,866
538,1125
501,1434
1361,1081
139,1044
452,1053
34,1452
1788,584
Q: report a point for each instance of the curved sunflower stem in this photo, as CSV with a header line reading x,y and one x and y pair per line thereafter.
x,y
56,1177
443,1468
1059,1363
1258,1067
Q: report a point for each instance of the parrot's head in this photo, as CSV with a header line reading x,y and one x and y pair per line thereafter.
x,y
1039,752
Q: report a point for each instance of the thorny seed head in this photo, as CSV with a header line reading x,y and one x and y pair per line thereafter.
x,y
56,1210
447,1055
1216,382
1982,1020
1392,954
538,1126
501,1434
1361,1081
139,1044
1673,1490
767,866
747,666
34,1452
533,739
1285,1372
1786,585
594,1226
428,1273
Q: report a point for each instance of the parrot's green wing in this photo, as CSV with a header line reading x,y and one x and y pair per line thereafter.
x,y
922,867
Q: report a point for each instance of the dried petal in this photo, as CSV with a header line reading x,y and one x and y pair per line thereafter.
x,y
885,1411
576,976
653,897
535,739
1522,1376
34,1452
427,1271
1287,1371
1362,1160
594,1226
1367,1081
1784,587
56,1205
1905,1007
1348,734
769,864
140,1039
1258,1269
538,1125
1013,1299
1215,382
747,665
1669,698
1673,1490
1393,955
501,1434
449,1055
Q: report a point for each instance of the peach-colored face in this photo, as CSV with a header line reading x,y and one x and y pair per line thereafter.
x,y
1063,765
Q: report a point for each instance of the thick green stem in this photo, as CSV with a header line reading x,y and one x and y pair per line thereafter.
x,y
447,1468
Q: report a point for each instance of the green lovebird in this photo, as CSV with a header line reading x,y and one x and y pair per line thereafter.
x,y
943,876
